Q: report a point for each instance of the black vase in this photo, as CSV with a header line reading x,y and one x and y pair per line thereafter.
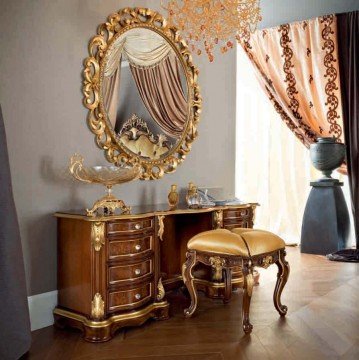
x,y
327,155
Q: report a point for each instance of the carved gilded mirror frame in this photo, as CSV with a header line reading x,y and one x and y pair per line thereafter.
x,y
97,118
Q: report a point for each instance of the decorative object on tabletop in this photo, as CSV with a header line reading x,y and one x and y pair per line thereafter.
x,y
107,176
327,155
205,201
207,24
193,199
216,197
173,197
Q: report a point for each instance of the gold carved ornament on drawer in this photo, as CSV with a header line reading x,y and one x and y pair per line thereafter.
x,y
218,219
98,235
161,226
97,307
160,290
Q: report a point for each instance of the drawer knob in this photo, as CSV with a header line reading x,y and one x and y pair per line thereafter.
x,y
138,296
138,226
138,271
138,247
243,212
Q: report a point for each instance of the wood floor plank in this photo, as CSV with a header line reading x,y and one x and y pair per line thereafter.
x,y
352,353
322,323
273,344
309,337
181,357
334,339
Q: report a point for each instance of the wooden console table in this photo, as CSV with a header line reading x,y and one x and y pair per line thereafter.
x,y
113,271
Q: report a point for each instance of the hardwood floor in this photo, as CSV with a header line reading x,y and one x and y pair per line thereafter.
x,y
322,323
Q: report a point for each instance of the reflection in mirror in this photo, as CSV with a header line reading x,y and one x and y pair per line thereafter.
x,y
144,93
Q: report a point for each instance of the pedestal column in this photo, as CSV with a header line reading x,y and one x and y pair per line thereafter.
x,y
326,224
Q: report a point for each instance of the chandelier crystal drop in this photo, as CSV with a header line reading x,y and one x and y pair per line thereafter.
x,y
206,24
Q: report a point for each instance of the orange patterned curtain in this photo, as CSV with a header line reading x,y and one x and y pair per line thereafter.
x,y
298,68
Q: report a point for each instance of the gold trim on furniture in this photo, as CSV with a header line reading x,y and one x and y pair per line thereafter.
x,y
220,285
95,64
100,331
161,226
98,235
218,219
217,264
267,261
110,320
160,290
151,213
97,307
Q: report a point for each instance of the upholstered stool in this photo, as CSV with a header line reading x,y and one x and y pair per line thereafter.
x,y
247,248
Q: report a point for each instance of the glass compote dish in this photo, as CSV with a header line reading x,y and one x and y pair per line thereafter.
x,y
107,176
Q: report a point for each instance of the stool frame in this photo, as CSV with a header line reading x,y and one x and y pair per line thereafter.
x,y
222,264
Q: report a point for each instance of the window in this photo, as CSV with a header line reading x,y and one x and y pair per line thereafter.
x,y
273,167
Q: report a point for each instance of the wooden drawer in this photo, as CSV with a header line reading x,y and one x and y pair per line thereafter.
x,y
237,213
121,227
230,226
130,298
127,273
132,248
237,271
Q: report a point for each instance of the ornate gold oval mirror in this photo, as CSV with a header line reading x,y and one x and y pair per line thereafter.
x,y
141,91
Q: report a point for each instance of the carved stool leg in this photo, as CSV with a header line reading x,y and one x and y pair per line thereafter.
x,y
247,294
227,275
188,281
282,277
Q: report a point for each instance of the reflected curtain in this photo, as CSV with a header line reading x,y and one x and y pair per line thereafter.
x,y
348,41
14,314
140,47
111,90
297,67
137,53
161,91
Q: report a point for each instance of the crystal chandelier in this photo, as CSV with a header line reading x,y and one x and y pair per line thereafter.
x,y
206,24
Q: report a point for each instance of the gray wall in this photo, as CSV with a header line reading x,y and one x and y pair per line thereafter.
x,y
277,12
43,44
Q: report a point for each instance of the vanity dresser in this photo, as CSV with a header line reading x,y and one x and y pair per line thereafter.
x,y
113,271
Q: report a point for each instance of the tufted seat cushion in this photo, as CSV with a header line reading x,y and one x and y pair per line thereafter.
x,y
219,241
225,242
260,241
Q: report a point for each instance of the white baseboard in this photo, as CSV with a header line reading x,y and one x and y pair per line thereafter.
x,y
41,307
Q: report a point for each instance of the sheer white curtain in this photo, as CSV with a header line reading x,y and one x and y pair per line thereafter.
x,y
272,167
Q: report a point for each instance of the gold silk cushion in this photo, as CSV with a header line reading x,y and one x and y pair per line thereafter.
x,y
260,241
219,241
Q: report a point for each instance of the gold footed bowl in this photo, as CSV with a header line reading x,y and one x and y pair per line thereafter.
x,y
107,176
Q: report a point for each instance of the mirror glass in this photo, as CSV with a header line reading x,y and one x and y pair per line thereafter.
x,y
144,93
